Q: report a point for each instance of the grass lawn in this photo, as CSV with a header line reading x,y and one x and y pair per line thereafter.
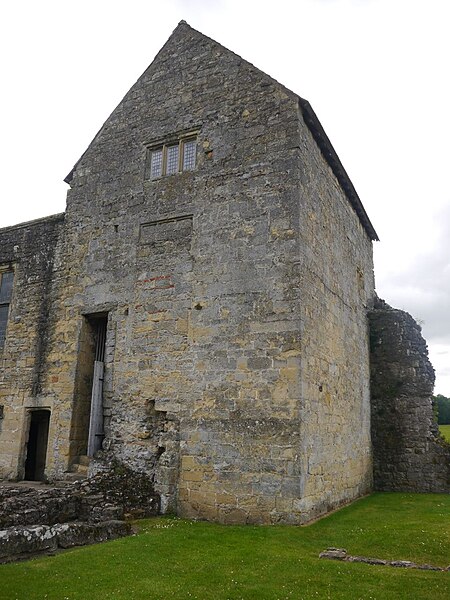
x,y
445,430
173,558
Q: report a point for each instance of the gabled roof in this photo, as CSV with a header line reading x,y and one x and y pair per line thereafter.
x,y
317,132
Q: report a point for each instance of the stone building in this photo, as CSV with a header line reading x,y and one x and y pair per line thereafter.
x,y
199,312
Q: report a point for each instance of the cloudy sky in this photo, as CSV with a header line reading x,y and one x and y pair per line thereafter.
x,y
375,71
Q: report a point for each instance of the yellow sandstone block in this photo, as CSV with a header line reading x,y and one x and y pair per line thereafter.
x,y
192,475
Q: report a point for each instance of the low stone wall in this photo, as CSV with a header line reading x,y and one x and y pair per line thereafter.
x,y
26,505
408,452
112,493
34,518
19,542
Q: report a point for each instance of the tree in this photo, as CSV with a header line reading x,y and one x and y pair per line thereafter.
x,y
442,405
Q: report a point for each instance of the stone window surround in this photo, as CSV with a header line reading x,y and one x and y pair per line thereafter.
x,y
178,140
5,302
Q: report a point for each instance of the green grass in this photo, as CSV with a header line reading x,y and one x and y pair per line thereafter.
x,y
173,558
445,430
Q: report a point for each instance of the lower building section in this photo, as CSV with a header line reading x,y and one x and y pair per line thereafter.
x,y
241,468
229,470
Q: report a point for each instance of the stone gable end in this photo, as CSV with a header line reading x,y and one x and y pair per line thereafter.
x,y
199,314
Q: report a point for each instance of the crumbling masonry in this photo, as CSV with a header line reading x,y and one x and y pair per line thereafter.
x,y
408,453
199,312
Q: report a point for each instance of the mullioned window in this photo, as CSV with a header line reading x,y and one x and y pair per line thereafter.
x,y
168,158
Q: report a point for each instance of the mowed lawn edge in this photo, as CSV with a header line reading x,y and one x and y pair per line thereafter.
x,y
445,430
176,558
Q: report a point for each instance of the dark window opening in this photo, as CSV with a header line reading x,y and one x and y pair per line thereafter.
x,y
6,286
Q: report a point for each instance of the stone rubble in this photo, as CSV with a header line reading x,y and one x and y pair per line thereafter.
x,y
341,554
40,518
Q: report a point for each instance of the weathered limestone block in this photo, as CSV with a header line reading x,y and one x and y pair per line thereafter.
x,y
80,534
22,540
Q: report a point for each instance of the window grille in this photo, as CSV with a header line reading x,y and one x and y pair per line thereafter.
x,y
172,158
189,155
156,163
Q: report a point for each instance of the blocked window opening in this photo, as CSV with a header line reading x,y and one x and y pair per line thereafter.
x,y
174,229
87,420
36,452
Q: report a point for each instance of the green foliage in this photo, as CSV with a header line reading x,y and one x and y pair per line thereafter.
x,y
445,430
183,560
442,405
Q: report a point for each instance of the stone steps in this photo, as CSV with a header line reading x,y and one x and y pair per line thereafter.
x,y
42,518
37,517
83,460
78,471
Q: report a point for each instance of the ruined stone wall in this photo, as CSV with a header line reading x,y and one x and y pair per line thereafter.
x,y
30,249
409,454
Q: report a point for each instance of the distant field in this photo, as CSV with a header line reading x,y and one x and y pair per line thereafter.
x,y
183,560
445,430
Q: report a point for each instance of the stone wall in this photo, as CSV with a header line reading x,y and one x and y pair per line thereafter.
x,y
236,365
31,249
204,389
409,454
24,542
201,390
114,492
334,273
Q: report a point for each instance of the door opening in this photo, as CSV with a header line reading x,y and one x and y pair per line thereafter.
x,y
96,433
37,445
87,418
